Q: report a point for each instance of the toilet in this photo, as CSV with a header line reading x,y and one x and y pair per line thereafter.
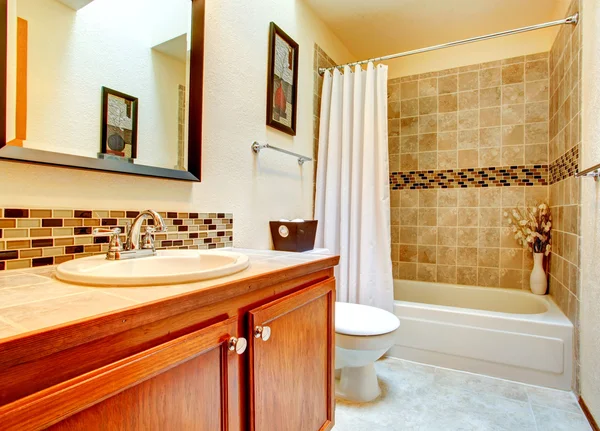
x,y
362,335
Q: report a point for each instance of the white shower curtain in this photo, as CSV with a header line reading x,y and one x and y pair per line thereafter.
x,y
353,195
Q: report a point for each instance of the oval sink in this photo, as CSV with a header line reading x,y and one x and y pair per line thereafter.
x,y
166,267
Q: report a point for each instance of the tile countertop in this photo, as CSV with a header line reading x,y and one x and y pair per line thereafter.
x,y
34,300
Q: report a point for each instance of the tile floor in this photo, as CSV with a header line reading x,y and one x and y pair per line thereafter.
x,y
421,397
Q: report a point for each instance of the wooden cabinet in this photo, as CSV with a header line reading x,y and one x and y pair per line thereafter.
x,y
291,374
189,383
181,371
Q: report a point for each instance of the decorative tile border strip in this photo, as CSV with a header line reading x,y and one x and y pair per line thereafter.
x,y
40,237
533,175
565,166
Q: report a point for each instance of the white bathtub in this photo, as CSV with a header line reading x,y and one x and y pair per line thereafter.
x,y
511,334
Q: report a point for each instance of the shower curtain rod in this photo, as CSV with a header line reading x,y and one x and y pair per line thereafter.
x,y
574,19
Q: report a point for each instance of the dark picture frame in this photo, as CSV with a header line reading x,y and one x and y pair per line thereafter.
x,y
282,96
132,109
195,86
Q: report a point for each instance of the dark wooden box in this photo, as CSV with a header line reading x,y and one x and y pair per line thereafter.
x,y
292,236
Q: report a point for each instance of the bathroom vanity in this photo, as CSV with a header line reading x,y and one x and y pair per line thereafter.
x,y
253,350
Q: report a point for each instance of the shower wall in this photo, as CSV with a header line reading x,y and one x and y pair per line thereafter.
x,y
565,189
466,145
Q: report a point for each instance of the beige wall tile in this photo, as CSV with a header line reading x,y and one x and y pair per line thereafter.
x,y
468,139
448,103
447,159
513,73
409,90
468,217
407,271
468,100
513,114
468,81
511,278
493,114
468,158
513,94
447,198
446,274
490,117
490,197
409,144
446,236
428,105
428,87
468,119
428,123
409,108
447,141
448,84
426,272
446,255
409,162
488,257
511,258
490,77
409,126
466,275
488,277
466,256
490,157
536,70
490,97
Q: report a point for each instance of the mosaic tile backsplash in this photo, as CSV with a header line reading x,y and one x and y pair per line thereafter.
x,y
535,175
41,237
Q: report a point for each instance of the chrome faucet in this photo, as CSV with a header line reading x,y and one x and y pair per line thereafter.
x,y
136,245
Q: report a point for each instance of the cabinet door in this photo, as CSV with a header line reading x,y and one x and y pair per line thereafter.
x,y
190,383
291,361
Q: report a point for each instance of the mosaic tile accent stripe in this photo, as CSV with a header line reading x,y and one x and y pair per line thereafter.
x,y
40,237
565,166
534,175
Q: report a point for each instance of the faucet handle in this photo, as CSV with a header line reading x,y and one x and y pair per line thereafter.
x,y
148,239
114,246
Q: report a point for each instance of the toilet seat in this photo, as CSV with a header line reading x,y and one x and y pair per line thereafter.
x,y
363,320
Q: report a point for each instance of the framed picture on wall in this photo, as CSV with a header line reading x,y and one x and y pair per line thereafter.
x,y
119,125
282,83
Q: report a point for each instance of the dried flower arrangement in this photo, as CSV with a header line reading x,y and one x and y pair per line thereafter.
x,y
531,227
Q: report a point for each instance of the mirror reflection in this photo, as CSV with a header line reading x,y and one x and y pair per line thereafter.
x,y
103,79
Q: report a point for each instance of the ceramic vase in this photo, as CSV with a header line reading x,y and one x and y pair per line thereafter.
x,y
538,282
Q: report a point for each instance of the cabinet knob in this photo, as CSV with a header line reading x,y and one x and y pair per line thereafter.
x,y
263,332
238,345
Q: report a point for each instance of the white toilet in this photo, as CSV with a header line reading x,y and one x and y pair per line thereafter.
x,y
362,335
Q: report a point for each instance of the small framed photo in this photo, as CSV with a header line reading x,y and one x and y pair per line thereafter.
x,y
282,84
119,125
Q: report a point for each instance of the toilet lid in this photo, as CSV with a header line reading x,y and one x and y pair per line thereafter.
x,y
357,319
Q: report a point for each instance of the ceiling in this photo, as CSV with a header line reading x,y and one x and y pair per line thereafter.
x,y
371,28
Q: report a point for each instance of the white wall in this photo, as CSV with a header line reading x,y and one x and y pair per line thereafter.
x,y
255,189
590,220
73,54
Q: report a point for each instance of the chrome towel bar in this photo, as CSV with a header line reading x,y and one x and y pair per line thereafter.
x,y
256,147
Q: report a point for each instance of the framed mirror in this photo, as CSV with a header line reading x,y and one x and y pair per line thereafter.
x,y
107,85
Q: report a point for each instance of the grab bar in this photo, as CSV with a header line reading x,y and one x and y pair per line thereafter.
x,y
256,147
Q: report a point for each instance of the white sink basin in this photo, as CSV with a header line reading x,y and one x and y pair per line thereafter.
x,y
167,267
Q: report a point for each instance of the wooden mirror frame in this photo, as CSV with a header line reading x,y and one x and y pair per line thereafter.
x,y
28,155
